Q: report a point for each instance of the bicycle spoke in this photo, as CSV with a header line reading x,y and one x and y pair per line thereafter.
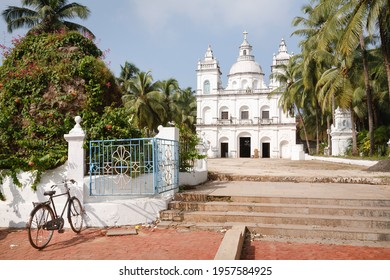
x,y
39,237
75,215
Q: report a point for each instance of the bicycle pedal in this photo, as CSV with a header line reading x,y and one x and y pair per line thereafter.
x,y
61,231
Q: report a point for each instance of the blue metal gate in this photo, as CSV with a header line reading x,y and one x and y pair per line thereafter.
x,y
133,167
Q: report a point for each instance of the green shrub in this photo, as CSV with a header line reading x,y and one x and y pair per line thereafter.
x,y
45,81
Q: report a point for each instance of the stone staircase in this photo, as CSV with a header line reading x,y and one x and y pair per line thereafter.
x,y
347,220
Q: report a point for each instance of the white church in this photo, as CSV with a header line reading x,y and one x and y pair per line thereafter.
x,y
242,120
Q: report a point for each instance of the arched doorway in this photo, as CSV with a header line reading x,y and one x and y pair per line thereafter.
x,y
224,145
244,142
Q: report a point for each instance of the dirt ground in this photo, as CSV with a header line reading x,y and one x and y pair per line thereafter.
x,y
381,166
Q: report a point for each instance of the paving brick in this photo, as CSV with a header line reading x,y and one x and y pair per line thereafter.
x,y
90,244
273,250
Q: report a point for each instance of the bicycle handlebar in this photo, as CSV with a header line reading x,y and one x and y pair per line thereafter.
x,y
64,182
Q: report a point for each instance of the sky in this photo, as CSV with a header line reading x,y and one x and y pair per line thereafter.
x,y
168,37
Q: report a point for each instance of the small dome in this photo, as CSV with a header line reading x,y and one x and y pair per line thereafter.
x,y
245,66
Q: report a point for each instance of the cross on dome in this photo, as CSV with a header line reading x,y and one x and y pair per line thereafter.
x,y
245,34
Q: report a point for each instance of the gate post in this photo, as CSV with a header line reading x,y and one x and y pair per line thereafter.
x,y
76,156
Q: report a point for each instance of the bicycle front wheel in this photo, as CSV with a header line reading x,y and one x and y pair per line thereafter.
x,y
38,236
75,214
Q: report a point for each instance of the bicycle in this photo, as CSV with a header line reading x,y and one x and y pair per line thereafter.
x,y
44,218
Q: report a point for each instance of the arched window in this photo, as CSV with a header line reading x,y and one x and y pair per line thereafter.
x,y
224,113
264,113
244,113
207,118
206,87
244,84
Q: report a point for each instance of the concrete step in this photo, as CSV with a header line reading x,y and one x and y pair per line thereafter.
x,y
308,233
362,211
287,219
199,197
312,201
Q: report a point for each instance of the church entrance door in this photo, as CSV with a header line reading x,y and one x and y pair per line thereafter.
x,y
266,150
224,150
245,147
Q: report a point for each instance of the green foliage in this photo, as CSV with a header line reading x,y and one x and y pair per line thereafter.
x,y
45,81
188,152
115,123
382,136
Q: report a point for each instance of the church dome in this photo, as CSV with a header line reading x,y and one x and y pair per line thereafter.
x,y
245,66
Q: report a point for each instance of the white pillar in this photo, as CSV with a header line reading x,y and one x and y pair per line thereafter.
x,y
168,133
76,156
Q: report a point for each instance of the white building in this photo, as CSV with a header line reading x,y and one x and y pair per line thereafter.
x,y
242,119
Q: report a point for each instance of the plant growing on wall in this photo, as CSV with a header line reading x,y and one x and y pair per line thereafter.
x,y
45,81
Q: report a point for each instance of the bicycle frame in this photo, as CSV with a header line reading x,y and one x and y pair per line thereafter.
x,y
58,222
66,203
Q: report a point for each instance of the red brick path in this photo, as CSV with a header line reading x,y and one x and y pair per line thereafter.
x,y
270,250
162,244
90,244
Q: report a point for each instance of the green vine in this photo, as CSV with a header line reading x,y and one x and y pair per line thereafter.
x,y
45,81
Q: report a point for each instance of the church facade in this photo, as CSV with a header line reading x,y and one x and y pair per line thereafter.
x,y
243,119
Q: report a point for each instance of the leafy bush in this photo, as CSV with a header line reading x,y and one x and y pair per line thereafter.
x,y
188,152
45,81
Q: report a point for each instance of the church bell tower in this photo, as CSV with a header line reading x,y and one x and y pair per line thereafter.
x,y
208,74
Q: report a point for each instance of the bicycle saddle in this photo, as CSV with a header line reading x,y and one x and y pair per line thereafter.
x,y
49,193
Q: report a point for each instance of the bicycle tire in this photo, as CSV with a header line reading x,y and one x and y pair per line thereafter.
x,y
75,214
37,235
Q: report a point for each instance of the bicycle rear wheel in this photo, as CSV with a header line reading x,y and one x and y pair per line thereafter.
x,y
37,235
75,214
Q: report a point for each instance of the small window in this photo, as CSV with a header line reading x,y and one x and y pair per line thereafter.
x,y
206,87
265,114
244,115
244,52
224,115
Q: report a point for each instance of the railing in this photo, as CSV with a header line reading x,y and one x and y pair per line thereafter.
x,y
144,166
235,122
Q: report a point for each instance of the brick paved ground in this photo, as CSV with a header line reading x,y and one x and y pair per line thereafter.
x,y
90,244
274,250
162,244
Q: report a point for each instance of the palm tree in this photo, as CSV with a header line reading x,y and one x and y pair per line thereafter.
x,y
352,19
183,108
128,71
360,16
292,97
312,64
168,88
338,85
147,102
46,16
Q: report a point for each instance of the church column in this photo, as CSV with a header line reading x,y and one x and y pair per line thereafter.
x,y
275,143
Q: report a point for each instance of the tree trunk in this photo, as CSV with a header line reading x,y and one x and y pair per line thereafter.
x,y
318,137
328,135
304,130
368,95
387,65
354,137
384,48
317,132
